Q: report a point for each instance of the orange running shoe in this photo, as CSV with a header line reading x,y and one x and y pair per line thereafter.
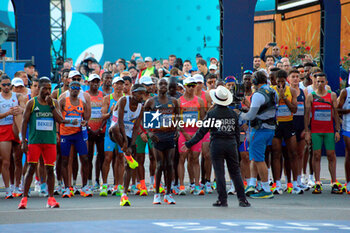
x,y
52,203
23,203
124,201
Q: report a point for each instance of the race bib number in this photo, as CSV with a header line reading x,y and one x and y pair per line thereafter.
x,y
189,116
7,120
283,110
300,111
128,128
69,118
44,124
96,113
323,115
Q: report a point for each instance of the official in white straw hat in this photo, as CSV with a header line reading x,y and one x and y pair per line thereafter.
x,y
222,122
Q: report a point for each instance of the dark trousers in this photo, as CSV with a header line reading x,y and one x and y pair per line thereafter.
x,y
226,149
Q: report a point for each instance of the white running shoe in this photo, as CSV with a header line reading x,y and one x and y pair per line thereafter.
x,y
297,190
208,188
304,187
192,188
278,190
157,200
58,190
232,190
43,190
311,183
169,199
37,186
304,179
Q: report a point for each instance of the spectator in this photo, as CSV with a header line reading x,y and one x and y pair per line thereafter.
x,y
178,63
150,69
166,64
186,68
172,59
286,66
198,57
213,61
67,65
29,68
276,52
270,61
133,73
97,68
279,65
212,68
256,63
202,67
22,75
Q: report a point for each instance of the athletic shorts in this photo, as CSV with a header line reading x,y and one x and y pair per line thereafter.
x,y
48,151
319,138
244,146
109,145
346,133
165,145
141,145
195,148
77,140
6,133
259,139
206,138
285,130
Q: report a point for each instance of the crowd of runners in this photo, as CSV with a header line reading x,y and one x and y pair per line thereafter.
x,y
96,115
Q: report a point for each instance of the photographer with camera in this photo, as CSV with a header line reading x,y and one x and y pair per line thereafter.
x,y
261,115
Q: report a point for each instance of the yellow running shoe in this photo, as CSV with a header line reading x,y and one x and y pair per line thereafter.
x,y
124,201
143,192
131,161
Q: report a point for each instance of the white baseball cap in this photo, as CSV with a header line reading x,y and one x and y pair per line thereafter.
x,y
148,59
189,80
93,76
146,80
199,78
73,73
117,79
213,67
17,82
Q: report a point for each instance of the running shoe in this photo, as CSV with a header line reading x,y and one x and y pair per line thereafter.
x,y
347,190
104,192
336,189
118,190
262,195
344,188
72,191
311,183
192,188
161,189
75,190
208,188
198,191
86,191
289,188
143,192
17,192
124,201
37,186
176,190
23,203
278,190
138,186
168,198
245,184
52,203
297,190
270,181
317,189
258,187
273,187
304,187
43,190
66,193
109,189
8,195
232,190
133,190
182,190
214,185
131,161
58,190
304,180
250,190
157,199
96,186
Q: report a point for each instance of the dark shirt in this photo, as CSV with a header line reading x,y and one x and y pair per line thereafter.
x,y
263,53
229,128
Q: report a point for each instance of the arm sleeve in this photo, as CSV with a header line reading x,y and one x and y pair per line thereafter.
x,y
262,54
257,100
199,135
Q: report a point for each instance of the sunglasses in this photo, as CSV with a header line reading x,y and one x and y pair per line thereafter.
x,y
75,87
6,84
191,85
76,79
248,72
